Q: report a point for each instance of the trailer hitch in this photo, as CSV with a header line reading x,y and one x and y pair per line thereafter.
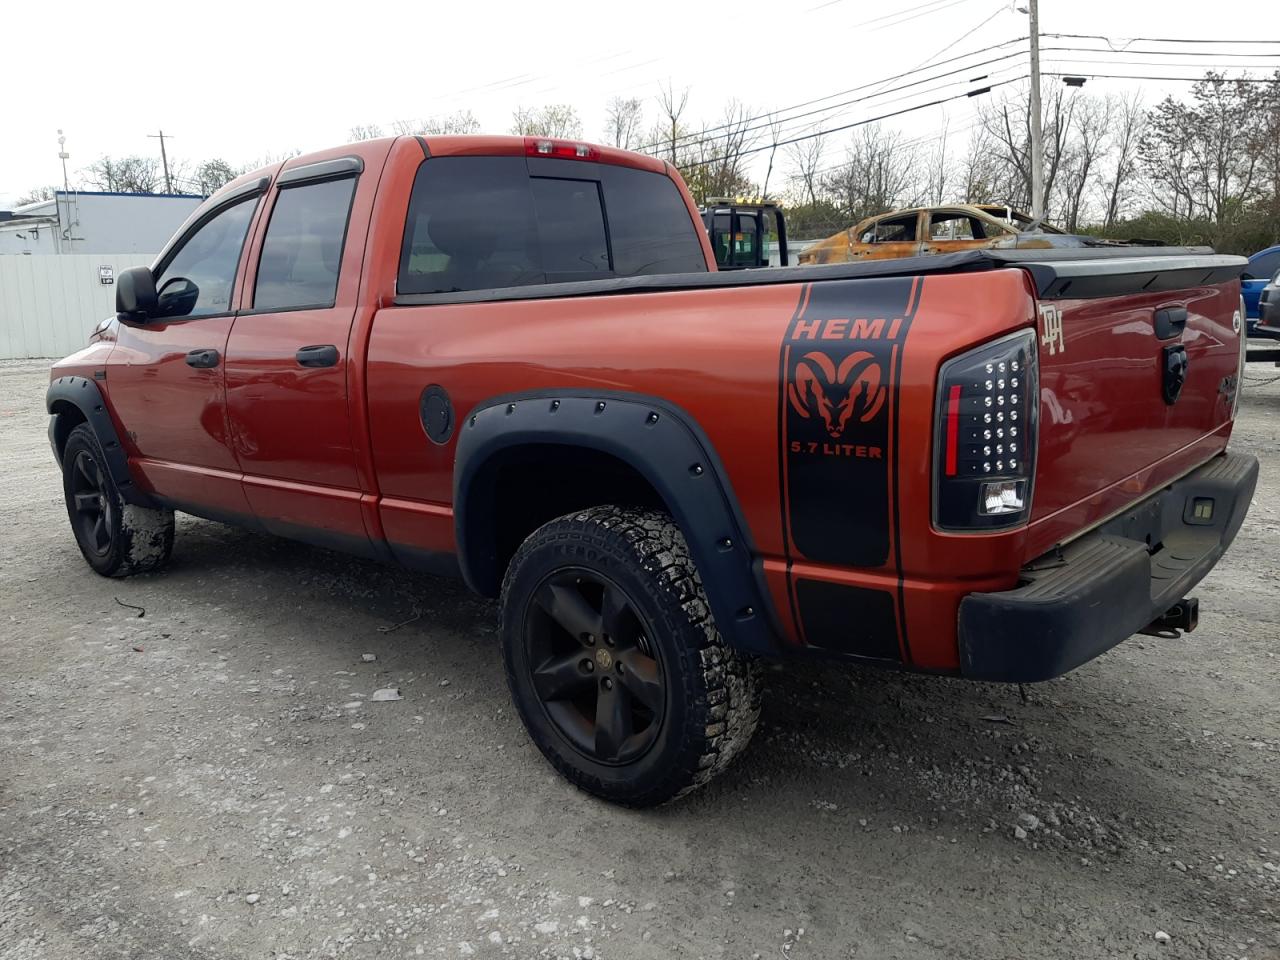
x,y
1182,617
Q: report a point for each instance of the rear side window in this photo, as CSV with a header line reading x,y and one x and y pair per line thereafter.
x,y
480,223
471,226
649,225
302,250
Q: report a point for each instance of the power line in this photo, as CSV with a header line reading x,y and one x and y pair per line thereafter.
x,y
686,144
861,123
1129,76
898,23
668,142
1142,63
1129,40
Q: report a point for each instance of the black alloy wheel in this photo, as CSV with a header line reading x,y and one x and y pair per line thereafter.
x,y
595,672
94,516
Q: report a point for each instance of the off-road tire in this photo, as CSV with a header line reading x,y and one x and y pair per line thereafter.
x,y
135,539
711,691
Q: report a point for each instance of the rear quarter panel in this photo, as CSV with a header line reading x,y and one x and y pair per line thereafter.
x,y
721,355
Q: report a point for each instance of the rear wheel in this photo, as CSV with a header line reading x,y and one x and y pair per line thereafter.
x,y
614,661
116,538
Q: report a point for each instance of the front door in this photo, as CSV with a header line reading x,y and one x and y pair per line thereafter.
x,y
289,356
165,377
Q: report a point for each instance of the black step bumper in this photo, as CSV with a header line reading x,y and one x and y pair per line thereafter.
x,y
1075,603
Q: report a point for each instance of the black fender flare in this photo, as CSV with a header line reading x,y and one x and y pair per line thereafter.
x,y
660,442
85,395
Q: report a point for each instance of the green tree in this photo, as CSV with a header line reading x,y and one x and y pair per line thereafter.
x,y
1197,154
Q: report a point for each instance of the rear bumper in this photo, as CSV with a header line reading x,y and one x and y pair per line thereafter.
x,y
1075,603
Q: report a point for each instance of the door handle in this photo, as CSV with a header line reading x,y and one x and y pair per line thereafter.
x,y
325,355
203,359
1170,322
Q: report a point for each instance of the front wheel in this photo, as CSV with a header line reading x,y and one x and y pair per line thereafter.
x,y
613,659
116,538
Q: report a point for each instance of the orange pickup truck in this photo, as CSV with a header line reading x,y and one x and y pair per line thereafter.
x,y
513,360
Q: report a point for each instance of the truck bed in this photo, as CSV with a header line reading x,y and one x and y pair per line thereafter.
x,y
1103,271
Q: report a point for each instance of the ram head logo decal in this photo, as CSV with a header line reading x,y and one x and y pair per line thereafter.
x,y
836,394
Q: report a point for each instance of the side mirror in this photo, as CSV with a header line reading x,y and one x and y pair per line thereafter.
x,y
136,294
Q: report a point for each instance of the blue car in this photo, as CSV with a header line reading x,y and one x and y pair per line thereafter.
x,y
1262,267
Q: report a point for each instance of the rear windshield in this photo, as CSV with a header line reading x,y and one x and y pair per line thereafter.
x,y
479,223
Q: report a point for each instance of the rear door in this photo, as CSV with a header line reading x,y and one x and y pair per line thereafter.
x,y
288,356
953,231
165,380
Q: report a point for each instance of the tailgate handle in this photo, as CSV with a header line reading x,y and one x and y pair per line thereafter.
x,y
1170,322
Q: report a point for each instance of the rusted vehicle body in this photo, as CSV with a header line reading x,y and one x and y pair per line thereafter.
x,y
951,229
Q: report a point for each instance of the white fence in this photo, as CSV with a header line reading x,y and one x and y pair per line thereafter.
x,y
50,303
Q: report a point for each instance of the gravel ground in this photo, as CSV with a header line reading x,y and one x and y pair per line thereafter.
x,y
212,779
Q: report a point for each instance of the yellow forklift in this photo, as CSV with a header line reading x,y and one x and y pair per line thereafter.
x,y
740,231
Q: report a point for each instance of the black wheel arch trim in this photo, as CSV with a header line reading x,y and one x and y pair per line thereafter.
x,y
85,395
663,444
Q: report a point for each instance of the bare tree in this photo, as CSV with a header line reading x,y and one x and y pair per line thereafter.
x,y
714,163
623,120
463,121
553,120
775,134
805,162
126,174
1007,123
212,175
878,174
368,131
670,129
1130,129
1083,156
936,171
35,195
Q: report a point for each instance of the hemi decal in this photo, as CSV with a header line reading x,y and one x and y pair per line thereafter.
x,y
840,366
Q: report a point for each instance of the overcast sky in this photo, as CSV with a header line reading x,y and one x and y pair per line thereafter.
x,y
244,80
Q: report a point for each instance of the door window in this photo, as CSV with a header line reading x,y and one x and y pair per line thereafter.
x,y
955,226
302,251
198,280
896,230
745,242
1264,266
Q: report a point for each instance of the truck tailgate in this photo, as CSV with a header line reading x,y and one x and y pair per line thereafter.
x,y
1115,423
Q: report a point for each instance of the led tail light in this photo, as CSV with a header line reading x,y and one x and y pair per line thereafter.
x,y
560,149
985,437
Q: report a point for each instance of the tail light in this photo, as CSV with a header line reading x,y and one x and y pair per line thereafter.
x,y
985,436
560,149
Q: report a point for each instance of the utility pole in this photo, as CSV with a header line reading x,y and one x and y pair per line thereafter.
x,y
66,192
164,157
1037,130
